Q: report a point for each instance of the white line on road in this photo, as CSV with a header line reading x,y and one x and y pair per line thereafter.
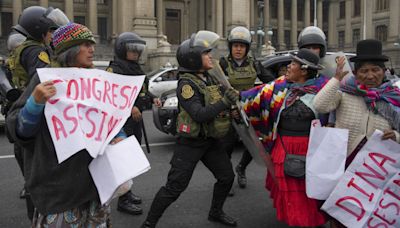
x,y
151,145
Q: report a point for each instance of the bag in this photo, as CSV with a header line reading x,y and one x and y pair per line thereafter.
x,y
295,165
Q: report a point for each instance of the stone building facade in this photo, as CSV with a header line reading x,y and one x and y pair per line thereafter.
x,y
166,23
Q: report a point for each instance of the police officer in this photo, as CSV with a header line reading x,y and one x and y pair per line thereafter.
x,y
128,48
202,119
36,24
242,71
313,38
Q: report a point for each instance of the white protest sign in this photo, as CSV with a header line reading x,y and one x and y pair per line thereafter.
x,y
368,195
119,163
89,108
330,63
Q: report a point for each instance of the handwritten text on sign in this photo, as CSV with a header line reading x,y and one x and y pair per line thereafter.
x,y
368,195
89,108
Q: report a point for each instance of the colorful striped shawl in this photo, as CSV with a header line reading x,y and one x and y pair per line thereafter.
x,y
263,103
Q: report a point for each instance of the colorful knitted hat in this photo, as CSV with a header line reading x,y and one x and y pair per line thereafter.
x,y
70,35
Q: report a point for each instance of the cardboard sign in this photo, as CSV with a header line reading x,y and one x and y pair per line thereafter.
x,y
89,108
368,195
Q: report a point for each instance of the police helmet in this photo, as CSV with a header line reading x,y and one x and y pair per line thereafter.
x,y
128,41
14,40
312,35
239,34
36,21
190,51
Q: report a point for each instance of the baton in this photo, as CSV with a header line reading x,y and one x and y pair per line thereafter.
x,y
146,141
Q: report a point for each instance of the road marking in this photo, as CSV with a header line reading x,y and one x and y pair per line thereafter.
x,y
151,145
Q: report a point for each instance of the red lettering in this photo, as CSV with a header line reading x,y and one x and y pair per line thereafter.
x,y
397,182
376,156
376,225
70,118
58,127
133,94
390,192
374,175
112,124
385,206
125,96
53,101
98,138
72,84
89,135
107,88
353,184
85,88
79,107
349,210
383,217
114,95
96,93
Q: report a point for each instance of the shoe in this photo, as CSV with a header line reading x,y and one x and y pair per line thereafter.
x,y
221,217
132,197
241,176
231,192
147,224
124,205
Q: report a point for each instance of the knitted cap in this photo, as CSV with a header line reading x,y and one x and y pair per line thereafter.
x,y
70,35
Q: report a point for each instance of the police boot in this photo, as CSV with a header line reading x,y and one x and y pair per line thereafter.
x,y
127,206
221,217
133,198
147,224
241,176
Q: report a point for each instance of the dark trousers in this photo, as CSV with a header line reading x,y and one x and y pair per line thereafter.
x,y
187,154
229,142
132,127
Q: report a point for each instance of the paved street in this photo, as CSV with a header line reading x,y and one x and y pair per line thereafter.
x,y
251,206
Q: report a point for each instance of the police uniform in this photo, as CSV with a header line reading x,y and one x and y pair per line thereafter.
x,y
201,120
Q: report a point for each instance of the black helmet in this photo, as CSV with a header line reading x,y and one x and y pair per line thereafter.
x,y
128,41
190,51
36,21
312,35
239,34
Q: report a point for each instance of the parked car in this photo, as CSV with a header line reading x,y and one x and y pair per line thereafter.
x,y
162,80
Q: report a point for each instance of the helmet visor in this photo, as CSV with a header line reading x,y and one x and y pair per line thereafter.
x,y
135,47
205,39
58,17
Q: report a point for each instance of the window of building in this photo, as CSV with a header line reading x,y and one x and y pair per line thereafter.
x,y
80,20
274,8
300,10
342,9
173,25
357,8
103,2
325,10
287,6
102,29
287,38
79,1
356,37
274,37
6,23
381,33
341,39
382,5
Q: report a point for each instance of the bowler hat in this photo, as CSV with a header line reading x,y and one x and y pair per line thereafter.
x,y
308,59
369,50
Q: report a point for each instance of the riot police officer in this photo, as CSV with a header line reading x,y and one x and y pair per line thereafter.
x,y
202,119
313,38
242,71
128,48
36,24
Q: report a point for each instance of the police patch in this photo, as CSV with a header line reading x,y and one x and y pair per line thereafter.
x,y
44,57
187,91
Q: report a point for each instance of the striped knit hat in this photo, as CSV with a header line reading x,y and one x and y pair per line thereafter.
x,y
70,35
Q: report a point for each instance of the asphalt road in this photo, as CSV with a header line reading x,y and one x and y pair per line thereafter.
x,y
251,206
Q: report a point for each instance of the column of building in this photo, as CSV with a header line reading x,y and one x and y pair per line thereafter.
x,y
320,23
347,29
366,14
44,3
307,13
394,24
17,9
293,32
92,16
69,9
219,14
281,32
267,21
332,20
144,21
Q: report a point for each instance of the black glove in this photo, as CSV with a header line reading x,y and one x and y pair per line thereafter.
x,y
231,96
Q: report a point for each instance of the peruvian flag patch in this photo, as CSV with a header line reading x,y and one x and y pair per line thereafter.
x,y
184,128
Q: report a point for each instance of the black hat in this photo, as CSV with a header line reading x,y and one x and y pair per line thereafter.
x,y
369,50
308,59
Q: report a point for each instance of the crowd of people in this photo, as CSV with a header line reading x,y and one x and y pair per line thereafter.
x,y
280,110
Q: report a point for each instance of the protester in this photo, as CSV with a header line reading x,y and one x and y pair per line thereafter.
x,y
364,102
201,121
64,194
128,48
281,113
242,71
